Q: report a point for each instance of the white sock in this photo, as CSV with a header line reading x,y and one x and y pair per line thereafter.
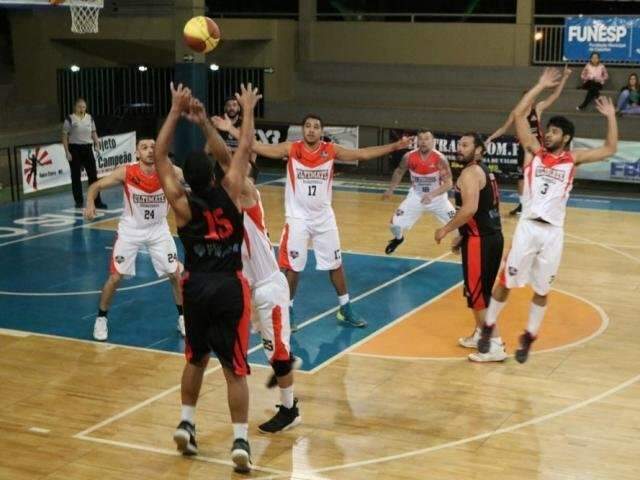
x,y
495,307
520,199
241,430
536,314
188,412
286,397
343,299
496,342
291,303
396,231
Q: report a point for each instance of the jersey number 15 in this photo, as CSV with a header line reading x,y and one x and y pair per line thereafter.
x,y
219,226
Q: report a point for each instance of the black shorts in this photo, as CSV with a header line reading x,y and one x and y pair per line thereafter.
x,y
481,258
520,162
217,314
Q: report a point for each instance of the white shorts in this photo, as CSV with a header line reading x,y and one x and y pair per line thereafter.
x,y
159,243
534,257
411,209
324,238
271,301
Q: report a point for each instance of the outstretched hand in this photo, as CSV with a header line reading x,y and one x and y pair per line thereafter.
x,y
550,77
196,113
222,123
248,97
180,98
404,143
605,106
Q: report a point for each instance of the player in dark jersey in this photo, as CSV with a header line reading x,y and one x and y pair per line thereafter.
x,y
480,240
217,305
535,126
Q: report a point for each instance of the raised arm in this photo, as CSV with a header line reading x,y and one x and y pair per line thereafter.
x,y
215,144
550,78
470,184
396,178
234,177
502,130
277,151
369,153
446,181
547,102
114,178
173,189
606,107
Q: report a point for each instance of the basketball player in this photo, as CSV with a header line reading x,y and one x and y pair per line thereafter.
x,y
269,288
217,303
143,223
309,215
233,114
480,240
430,181
535,120
537,243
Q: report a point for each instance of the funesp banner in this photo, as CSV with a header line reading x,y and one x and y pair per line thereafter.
x,y
46,166
614,38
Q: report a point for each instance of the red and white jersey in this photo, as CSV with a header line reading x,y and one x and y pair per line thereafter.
x,y
145,204
258,258
425,171
308,189
548,181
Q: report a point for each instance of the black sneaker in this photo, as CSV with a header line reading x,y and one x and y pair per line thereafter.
x,y
285,419
185,438
241,455
484,342
392,245
525,345
516,211
296,363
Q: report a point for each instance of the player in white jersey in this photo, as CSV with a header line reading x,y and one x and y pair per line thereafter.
x,y
537,243
309,215
430,181
143,224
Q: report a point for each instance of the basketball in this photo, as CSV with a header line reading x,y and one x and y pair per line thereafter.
x,y
56,2
201,34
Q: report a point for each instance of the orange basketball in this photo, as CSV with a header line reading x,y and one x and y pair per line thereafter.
x,y
56,2
201,34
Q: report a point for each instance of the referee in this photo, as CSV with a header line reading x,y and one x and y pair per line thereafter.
x,y
79,137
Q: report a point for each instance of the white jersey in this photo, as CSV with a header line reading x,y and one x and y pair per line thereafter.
x,y
145,204
258,258
425,171
308,189
548,181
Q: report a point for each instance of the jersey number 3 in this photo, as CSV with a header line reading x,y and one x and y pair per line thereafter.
x,y
219,227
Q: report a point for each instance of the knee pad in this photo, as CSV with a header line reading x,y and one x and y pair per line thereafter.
x,y
281,367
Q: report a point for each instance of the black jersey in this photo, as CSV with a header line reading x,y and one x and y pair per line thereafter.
x,y
213,237
486,220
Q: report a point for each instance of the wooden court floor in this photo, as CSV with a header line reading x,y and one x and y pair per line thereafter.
x,y
406,404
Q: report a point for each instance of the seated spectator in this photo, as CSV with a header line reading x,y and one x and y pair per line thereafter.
x,y
594,75
629,98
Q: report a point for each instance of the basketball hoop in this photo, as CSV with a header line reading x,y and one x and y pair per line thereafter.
x,y
84,15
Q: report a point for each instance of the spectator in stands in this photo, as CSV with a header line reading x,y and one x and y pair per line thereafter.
x,y
79,138
594,75
629,98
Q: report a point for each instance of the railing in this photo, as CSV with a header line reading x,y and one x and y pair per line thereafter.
x,y
109,90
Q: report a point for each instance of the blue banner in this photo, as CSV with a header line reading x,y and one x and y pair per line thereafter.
x,y
614,38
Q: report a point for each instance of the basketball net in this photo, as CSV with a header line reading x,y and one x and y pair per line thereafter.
x,y
84,15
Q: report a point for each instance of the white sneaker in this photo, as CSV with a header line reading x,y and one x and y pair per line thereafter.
x,y
496,353
180,325
470,342
100,330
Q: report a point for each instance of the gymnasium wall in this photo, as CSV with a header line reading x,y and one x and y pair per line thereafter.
x,y
465,44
